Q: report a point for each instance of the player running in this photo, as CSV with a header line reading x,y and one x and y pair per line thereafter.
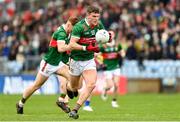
x,y
83,45
54,61
111,56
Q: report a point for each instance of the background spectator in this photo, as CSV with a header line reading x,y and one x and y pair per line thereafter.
x,y
146,29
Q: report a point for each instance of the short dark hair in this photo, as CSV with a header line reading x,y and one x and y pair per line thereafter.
x,y
93,9
73,20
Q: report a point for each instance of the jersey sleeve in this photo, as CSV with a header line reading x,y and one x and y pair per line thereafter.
x,y
59,36
77,31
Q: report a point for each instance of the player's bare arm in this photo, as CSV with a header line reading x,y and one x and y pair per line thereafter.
x,y
62,46
74,45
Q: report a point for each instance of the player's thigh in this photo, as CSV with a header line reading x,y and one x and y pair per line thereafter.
x,y
109,83
75,81
64,71
116,75
40,80
80,82
116,80
90,76
63,81
108,78
108,74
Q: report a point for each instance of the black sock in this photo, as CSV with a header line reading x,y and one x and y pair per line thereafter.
x,y
23,100
75,110
114,99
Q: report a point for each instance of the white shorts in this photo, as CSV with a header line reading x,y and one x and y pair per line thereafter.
x,y
77,67
109,74
48,69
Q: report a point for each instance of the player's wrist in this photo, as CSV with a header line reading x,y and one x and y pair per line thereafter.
x,y
84,48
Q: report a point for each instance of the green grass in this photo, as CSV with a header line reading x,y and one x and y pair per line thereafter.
x,y
135,107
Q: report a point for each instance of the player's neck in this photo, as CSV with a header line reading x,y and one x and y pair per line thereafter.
x,y
65,27
89,24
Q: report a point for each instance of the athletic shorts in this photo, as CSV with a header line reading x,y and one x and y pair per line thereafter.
x,y
110,73
47,69
77,67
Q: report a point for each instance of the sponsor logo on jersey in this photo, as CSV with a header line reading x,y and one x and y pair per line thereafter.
x,y
93,32
86,33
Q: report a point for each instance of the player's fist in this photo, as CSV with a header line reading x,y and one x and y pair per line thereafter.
x,y
111,36
92,48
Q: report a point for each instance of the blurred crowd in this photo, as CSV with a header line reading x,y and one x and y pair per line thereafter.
x,y
147,29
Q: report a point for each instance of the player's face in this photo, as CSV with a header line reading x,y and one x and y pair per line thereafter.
x,y
93,18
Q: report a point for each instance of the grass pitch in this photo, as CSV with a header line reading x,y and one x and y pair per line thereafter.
x,y
133,107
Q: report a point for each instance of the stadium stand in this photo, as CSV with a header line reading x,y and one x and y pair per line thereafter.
x,y
148,30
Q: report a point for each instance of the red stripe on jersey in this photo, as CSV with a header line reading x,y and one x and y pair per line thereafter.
x,y
87,40
44,66
53,43
110,55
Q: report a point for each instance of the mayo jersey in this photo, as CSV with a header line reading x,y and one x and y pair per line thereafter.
x,y
53,57
111,56
82,30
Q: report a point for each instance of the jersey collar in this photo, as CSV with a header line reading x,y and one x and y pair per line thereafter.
x,y
63,25
86,22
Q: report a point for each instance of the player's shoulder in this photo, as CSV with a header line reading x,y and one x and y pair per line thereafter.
x,y
60,31
80,23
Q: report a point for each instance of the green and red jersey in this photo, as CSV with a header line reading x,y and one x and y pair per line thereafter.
x,y
83,30
53,57
111,56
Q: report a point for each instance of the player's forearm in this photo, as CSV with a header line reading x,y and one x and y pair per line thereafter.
x,y
64,48
76,46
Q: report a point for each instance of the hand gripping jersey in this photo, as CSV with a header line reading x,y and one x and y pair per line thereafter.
x,y
111,56
82,30
53,57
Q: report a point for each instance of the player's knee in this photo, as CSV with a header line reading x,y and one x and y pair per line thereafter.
x,y
91,86
62,87
109,86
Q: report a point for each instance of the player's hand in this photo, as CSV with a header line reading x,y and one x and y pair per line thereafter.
x,y
111,36
92,48
122,53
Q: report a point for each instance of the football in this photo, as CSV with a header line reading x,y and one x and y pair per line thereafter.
x,y
102,36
